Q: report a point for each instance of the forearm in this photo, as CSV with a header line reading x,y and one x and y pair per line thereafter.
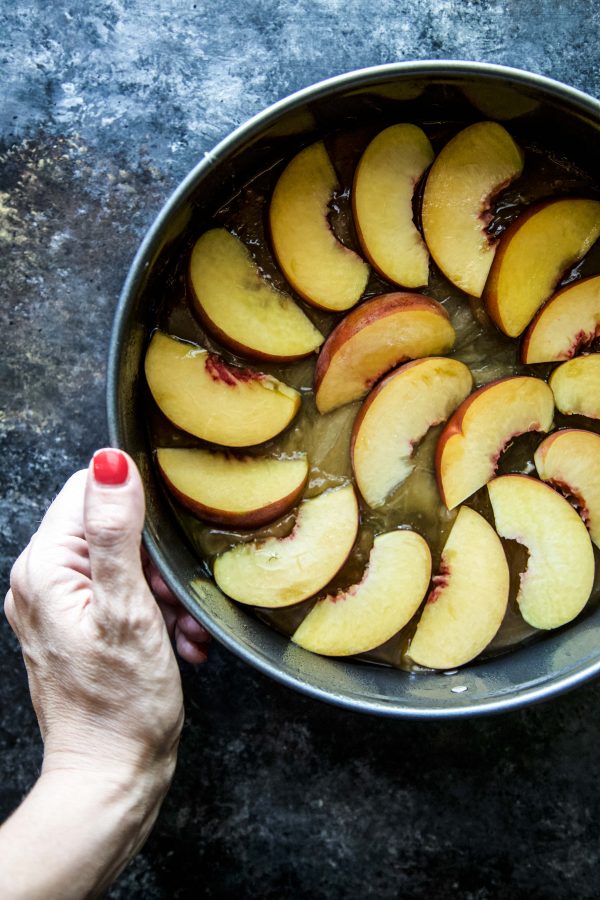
x,y
76,831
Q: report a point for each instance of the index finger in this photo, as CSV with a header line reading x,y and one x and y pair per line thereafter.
x,y
65,514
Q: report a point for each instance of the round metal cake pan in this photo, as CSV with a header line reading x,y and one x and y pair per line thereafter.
x,y
560,118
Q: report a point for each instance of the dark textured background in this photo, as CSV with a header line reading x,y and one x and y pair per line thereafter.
x,y
105,107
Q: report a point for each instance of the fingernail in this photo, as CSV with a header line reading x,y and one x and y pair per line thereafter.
x,y
110,467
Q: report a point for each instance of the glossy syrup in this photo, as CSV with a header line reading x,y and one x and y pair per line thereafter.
x,y
488,353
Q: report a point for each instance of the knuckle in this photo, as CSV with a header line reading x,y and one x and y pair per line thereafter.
x,y
141,619
19,573
9,609
34,570
146,618
109,529
130,621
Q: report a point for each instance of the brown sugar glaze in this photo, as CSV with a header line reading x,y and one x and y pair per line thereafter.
x,y
487,352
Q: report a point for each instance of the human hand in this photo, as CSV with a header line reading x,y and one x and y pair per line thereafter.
x,y
104,683
103,678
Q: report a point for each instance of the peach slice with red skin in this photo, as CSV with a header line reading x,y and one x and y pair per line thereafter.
x,y
467,604
234,491
373,339
467,174
569,460
241,309
533,255
382,201
203,395
396,415
369,613
485,423
277,572
576,386
567,324
318,266
558,580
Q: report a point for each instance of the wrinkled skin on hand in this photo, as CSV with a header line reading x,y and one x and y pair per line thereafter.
x,y
102,673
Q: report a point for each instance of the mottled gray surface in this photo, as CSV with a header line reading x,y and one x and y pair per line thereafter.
x,y
105,107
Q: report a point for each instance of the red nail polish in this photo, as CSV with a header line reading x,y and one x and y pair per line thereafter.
x,y
110,467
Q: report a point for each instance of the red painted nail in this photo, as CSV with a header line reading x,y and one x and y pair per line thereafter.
x,y
110,467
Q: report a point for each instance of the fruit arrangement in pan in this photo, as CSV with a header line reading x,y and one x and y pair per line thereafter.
x,y
353,365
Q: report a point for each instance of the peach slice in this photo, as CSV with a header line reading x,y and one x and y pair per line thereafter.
x,y
468,172
320,268
467,604
560,571
240,308
382,197
240,492
396,415
499,103
484,424
368,613
278,572
568,323
373,339
200,393
569,460
576,386
533,255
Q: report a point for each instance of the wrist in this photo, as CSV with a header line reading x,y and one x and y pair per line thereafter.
x,y
96,817
139,774
117,804
113,756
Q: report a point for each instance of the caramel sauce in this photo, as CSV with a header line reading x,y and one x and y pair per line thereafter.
x,y
325,438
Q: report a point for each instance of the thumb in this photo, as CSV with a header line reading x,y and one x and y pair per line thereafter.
x,y
113,517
